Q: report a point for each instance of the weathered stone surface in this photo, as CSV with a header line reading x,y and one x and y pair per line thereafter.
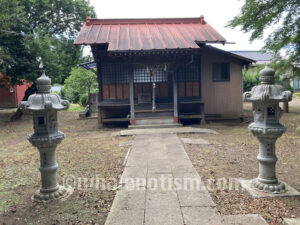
x,y
248,219
175,130
133,174
168,215
194,198
125,217
161,182
193,141
153,164
125,144
291,221
44,106
129,200
158,198
247,184
266,127
201,216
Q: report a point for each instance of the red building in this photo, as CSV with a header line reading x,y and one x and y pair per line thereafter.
x,y
11,96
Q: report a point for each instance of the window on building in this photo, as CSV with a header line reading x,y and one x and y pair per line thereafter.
x,y
221,71
189,73
142,75
114,73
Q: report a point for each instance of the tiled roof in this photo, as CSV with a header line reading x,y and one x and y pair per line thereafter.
x,y
255,55
148,34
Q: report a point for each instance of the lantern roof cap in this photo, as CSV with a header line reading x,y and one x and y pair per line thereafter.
x,y
267,91
266,75
43,100
43,84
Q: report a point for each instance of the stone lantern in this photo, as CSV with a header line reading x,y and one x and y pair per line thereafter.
x,y
46,137
266,127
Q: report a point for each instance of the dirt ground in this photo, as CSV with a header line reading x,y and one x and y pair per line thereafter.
x,y
232,154
86,153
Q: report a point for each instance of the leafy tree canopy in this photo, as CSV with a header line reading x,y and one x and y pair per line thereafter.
x,y
82,80
257,15
80,84
35,31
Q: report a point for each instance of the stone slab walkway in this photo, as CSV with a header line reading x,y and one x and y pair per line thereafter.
x,y
173,130
161,187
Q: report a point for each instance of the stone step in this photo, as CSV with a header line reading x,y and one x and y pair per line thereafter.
x,y
153,114
151,126
154,120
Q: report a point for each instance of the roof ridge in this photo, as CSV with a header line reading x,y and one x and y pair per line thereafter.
x,y
98,21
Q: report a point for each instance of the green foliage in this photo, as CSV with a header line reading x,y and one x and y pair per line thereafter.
x,y
298,130
296,95
70,94
256,16
80,82
75,108
35,31
251,76
84,99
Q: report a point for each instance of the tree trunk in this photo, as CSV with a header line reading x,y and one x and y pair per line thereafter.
x,y
18,114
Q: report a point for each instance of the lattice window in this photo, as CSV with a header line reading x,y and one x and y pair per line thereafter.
x,y
114,73
142,75
188,73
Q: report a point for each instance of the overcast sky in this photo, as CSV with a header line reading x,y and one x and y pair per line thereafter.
x,y
216,13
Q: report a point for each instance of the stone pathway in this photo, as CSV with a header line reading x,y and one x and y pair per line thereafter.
x,y
149,196
160,186
173,130
193,141
291,221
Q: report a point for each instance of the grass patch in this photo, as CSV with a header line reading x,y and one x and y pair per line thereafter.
x,y
75,108
296,95
298,130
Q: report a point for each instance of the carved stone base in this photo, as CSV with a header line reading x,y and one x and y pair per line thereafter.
x,y
277,188
61,193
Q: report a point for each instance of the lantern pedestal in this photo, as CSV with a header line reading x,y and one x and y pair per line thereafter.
x,y
267,136
46,145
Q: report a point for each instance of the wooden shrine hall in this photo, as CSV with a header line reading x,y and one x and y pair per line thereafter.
x,y
162,70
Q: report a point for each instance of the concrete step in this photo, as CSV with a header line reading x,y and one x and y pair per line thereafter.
x,y
154,120
153,114
151,126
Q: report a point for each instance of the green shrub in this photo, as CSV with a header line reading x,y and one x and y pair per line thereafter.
x,y
83,99
251,77
70,94
298,130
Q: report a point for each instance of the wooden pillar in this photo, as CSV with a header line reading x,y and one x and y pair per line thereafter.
x,y
202,120
100,93
175,97
131,86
